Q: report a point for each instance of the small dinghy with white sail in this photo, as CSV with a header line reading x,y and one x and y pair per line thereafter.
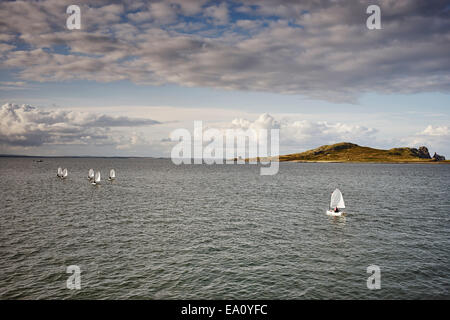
x,y
96,178
91,174
59,174
337,203
112,175
65,173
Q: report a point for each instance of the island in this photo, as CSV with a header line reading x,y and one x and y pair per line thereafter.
x,y
350,152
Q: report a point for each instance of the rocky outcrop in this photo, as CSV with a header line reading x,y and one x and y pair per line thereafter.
x,y
437,157
422,153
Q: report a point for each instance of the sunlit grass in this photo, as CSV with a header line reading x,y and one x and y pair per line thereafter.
x,y
349,152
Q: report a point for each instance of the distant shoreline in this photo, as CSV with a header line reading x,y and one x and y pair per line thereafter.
x,y
343,161
246,160
75,157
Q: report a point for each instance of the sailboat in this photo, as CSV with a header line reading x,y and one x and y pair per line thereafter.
x,y
64,173
59,173
96,179
337,202
112,175
91,174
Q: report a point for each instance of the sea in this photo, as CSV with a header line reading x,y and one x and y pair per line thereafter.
x,y
166,231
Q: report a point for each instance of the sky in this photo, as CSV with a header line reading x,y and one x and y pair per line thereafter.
x,y
137,70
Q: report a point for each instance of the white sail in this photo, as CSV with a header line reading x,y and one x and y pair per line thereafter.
x,y
112,174
60,172
337,200
97,177
91,174
65,173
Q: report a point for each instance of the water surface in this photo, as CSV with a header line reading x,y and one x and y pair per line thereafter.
x,y
162,231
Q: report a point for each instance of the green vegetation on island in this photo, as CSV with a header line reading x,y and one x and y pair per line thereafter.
x,y
350,152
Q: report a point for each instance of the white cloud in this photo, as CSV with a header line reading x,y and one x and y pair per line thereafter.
x,y
434,137
127,131
13,85
190,7
299,135
127,142
264,121
439,131
311,134
30,126
218,13
163,12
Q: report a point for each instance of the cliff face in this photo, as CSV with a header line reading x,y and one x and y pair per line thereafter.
x,y
345,151
437,157
422,153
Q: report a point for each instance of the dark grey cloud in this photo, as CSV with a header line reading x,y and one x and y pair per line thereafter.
x,y
24,125
318,48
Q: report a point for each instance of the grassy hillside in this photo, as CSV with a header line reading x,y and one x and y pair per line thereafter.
x,y
349,152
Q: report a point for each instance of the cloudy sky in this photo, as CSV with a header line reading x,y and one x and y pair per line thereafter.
x,y
137,70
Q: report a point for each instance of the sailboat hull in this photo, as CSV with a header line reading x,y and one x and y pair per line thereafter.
x,y
335,214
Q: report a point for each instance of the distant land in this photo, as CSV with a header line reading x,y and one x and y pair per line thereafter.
x,y
350,152
339,152
50,157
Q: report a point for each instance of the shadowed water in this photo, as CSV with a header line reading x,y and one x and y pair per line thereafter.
x,y
162,231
